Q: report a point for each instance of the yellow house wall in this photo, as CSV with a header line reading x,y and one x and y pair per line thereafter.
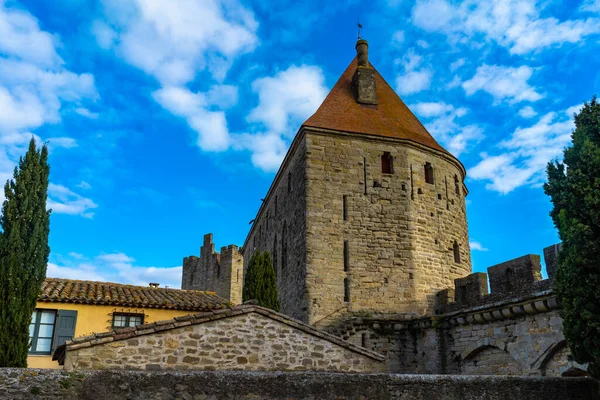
x,y
96,318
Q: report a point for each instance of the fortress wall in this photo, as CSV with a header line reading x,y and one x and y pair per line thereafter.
x,y
390,237
280,228
514,330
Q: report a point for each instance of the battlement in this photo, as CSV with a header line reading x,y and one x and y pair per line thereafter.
x,y
520,277
219,272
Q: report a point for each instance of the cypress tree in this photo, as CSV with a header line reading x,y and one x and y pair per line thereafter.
x,y
574,188
260,282
24,252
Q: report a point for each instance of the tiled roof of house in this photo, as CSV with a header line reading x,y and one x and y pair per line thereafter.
x,y
390,118
194,319
56,290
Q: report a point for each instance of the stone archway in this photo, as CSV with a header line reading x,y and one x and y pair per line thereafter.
x,y
557,361
489,357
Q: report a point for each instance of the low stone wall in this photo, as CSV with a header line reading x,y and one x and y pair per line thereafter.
x,y
21,384
243,338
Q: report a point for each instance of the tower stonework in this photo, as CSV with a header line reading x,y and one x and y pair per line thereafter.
x,y
367,211
218,272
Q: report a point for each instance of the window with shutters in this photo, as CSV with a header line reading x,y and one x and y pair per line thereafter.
x,y
41,331
49,329
66,321
123,320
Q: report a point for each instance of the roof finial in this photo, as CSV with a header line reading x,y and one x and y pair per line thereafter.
x,y
359,27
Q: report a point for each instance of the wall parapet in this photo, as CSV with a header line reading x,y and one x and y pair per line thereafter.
x,y
517,278
21,384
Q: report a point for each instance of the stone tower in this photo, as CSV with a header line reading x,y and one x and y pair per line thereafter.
x,y
367,211
217,272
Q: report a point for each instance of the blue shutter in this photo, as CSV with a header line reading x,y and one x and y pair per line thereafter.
x,y
65,327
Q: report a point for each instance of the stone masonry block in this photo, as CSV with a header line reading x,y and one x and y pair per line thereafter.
x,y
515,276
471,288
551,258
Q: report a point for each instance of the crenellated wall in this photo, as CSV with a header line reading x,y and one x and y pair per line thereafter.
x,y
515,329
219,272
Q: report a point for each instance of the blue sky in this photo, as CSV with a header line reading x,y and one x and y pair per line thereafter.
x,y
168,120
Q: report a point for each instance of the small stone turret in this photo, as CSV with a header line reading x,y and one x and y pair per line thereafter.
x,y
363,82
216,272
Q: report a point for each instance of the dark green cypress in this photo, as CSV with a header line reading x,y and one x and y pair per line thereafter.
x,y
24,252
574,188
260,282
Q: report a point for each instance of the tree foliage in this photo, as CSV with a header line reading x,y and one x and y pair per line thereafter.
x,y
24,252
260,282
574,188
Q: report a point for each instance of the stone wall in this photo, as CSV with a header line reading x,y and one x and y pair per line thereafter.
x,y
221,272
244,338
389,236
516,329
20,384
280,228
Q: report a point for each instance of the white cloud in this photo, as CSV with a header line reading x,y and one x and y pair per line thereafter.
x,y
285,100
113,267
398,38
173,40
526,154
34,87
105,35
86,113
503,83
413,80
434,15
84,185
514,24
574,109
288,98
457,64
63,201
527,112
21,37
429,109
474,245
65,142
211,126
590,5
441,122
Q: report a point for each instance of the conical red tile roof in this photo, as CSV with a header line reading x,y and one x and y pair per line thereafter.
x,y
390,118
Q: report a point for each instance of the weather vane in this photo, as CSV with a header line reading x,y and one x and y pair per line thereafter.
x,y
359,27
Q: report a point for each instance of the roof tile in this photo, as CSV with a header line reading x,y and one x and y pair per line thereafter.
x,y
57,290
390,118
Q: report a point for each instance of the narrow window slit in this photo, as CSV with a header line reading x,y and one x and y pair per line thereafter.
x,y
387,166
429,173
346,290
456,250
346,256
